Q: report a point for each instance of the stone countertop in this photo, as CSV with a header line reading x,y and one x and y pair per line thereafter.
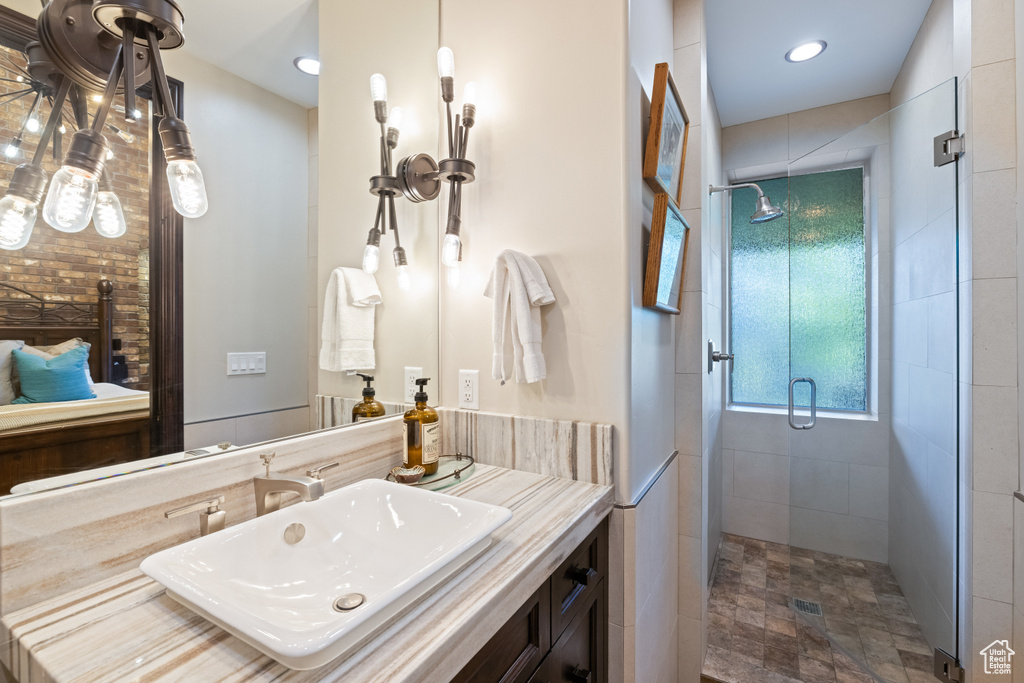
x,y
125,628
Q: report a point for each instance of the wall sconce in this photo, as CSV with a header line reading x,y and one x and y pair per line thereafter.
x,y
418,177
415,177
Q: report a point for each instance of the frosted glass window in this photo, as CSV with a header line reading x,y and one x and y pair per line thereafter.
x,y
798,292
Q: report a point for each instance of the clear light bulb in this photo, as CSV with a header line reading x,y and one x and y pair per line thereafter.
x,y
450,249
63,129
11,151
469,93
371,259
378,88
108,217
188,190
110,154
32,125
454,275
395,118
17,218
402,273
70,201
20,79
445,63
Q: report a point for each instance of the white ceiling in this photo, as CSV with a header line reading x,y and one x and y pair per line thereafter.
x,y
256,40
747,41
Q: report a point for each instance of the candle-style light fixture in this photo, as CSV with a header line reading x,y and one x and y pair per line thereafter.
x,y
456,170
414,177
419,177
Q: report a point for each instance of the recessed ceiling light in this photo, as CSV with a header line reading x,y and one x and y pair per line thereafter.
x,y
805,51
308,65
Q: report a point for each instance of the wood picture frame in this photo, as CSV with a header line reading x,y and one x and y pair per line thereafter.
x,y
665,155
666,257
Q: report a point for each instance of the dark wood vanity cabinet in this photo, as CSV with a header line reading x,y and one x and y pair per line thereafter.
x,y
560,635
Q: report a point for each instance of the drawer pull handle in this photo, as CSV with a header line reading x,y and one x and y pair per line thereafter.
x,y
580,576
578,675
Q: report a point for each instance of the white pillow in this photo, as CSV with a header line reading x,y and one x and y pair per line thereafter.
x,y
7,347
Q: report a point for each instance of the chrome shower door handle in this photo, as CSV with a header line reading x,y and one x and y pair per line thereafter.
x,y
814,404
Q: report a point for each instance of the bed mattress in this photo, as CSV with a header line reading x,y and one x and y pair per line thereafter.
x,y
111,399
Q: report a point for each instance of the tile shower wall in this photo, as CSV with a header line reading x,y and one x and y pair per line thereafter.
x,y
698,395
826,489
922,527
974,40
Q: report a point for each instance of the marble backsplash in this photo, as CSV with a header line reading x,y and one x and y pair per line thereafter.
x,y
572,449
335,411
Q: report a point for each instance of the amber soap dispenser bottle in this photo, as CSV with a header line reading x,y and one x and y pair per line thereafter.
x,y
369,407
422,432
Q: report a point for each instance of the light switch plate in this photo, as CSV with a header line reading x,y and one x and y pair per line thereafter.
x,y
469,383
252,363
411,375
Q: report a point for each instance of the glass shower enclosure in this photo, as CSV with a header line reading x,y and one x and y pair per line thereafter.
x,y
843,317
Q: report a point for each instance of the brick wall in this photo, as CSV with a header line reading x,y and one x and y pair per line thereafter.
x,y
65,267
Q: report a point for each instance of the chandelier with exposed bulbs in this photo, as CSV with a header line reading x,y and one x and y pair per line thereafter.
x,y
97,46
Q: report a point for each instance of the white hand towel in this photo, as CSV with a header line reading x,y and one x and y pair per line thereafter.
x,y
362,287
519,288
347,332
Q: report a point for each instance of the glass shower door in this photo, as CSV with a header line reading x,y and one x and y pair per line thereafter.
x,y
873,321
843,314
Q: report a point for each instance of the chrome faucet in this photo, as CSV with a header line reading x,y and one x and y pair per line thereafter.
x,y
271,486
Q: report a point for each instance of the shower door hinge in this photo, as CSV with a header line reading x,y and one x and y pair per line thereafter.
x,y
947,667
948,147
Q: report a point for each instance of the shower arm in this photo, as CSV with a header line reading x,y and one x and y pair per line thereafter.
x,y
722,188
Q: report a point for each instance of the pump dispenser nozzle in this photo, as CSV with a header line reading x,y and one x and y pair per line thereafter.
x,y
368,390
421,395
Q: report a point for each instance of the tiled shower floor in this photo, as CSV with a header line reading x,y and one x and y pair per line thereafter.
x,y
755,636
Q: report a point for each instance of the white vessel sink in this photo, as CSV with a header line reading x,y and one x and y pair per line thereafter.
x,y
387,542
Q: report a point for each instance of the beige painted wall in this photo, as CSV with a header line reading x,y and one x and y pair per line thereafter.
x,y
245,260
28,7
406,322
550,152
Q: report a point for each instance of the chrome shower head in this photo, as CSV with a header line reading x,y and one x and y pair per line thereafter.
x,y
764,211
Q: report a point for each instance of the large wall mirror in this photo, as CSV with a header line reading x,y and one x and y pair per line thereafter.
x,y
206,334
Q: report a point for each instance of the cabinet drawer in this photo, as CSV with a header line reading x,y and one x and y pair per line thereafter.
x,y
576,580
579,655
517,648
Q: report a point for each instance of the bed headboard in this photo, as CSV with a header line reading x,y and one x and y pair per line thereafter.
x,y
40,322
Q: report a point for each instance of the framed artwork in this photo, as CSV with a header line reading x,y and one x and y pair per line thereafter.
x,y
666,256
666,137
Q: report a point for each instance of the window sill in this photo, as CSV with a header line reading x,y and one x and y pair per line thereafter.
x,y
854,416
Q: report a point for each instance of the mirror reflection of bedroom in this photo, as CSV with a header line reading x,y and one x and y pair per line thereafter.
x,y
173,338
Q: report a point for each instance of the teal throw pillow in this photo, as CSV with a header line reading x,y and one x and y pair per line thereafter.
x,y
61,378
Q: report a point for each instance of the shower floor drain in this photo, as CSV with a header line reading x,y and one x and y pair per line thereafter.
x,y
812,608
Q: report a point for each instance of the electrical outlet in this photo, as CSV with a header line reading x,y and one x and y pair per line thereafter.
x,y
469,381
411,375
